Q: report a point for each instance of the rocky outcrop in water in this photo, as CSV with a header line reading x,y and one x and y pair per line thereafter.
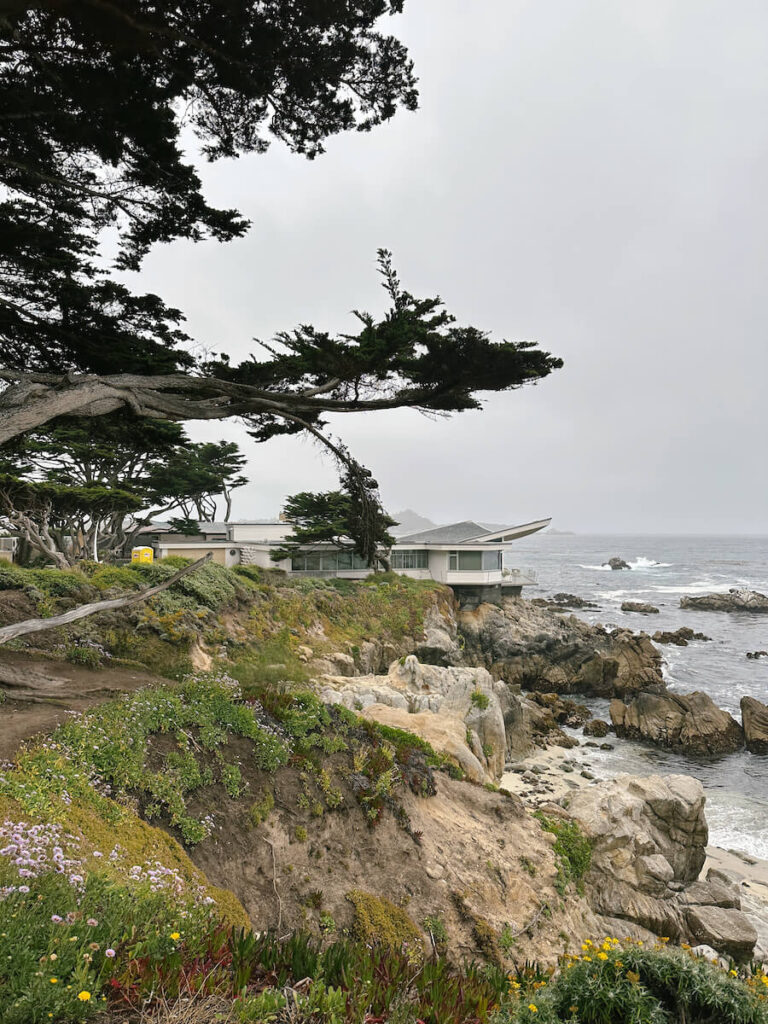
x,y
756,655
680,637
564,601
734,601
754,717
537,649
617,563
689,723
648,840
597,727
641,607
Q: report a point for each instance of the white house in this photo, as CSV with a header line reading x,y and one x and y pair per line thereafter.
x,y
467,556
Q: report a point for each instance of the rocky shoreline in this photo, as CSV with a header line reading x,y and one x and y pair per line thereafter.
x,y
499,700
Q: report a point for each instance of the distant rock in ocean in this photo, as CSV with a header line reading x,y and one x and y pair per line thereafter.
x,y
617,563
639,606
734,601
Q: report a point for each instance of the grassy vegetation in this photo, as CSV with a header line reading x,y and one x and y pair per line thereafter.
x,y
260,618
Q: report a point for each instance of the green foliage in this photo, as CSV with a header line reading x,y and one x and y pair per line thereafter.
x,y
332,517
572,850
300,834
627,983
435,927
113,742
132,921
262,808
378,921
479,699
88,657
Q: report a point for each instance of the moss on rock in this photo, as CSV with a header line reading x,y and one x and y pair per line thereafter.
x,y
379,921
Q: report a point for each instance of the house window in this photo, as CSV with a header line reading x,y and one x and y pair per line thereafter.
x,y
492,560
472,561
410,559
327,561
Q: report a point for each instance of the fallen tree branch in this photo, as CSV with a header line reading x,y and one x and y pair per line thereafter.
x,y
35,625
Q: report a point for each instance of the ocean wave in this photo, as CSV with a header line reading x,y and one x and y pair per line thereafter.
x,y
697,587
639,563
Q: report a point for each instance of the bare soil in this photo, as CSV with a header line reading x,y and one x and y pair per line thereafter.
x,y
53,689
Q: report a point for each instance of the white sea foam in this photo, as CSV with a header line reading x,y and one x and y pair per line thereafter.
x,y
639,563
697,587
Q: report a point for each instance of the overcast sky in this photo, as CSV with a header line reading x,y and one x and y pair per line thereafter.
x,y
588,174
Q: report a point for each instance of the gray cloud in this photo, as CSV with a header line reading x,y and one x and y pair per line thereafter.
x,y
586,174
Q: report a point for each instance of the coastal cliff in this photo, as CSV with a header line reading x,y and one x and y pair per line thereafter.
x,y
332,767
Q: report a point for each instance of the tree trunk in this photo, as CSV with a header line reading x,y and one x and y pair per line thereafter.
x,y
37,625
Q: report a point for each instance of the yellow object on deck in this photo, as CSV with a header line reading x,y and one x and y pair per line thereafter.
x,y
142,555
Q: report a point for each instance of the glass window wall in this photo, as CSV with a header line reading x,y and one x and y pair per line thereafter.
x,y
413,559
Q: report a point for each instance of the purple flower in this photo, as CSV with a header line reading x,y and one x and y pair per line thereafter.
x,y
56,919
110,953
91,922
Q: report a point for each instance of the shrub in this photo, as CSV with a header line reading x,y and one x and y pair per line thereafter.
x,y
261,809
572,851
378,921
479,699
88,657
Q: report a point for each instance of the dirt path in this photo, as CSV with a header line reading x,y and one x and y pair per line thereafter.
x,y
66,688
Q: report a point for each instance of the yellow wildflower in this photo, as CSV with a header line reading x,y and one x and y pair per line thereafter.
x,y
175,936
602,956
734,974
533,1007
54,981
84,996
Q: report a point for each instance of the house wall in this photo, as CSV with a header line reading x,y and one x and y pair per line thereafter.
x,y
221,555
438,565
245,532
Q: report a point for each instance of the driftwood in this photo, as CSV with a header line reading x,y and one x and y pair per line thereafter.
x,y
82,611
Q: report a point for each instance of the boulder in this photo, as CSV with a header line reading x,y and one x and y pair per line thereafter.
x,y
642,607
617,563
755,655
754,716
438,646
727,931
734,601
648,838
690,723
597,727
680,637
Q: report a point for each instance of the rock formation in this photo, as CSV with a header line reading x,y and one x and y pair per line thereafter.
x,y
734,601
754,716
617,563
642,607
680,637
537,649
691,723
648,840
462,712
564,601
756,655
597,727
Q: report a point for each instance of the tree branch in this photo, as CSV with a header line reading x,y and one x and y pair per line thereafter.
x,y
36,625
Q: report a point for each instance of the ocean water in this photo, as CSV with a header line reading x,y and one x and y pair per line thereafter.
x,y
664,569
